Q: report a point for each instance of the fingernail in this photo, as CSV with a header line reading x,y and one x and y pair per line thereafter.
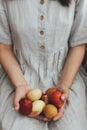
x,y
62,97
16,107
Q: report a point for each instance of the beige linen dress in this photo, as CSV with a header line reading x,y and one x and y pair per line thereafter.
x,y
41,33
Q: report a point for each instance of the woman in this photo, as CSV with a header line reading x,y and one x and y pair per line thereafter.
x,y
42,45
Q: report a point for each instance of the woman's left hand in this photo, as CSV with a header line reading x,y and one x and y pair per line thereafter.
x,y
64,97
60,112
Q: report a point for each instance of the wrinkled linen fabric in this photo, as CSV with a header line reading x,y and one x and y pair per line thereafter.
x,y
41,48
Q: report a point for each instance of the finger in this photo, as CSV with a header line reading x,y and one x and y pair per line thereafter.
x,y
60,113
16,103
46,99
42,118
17,98
43,93
34,114
58,116
64,96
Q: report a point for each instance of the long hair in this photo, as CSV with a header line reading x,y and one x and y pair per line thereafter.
x,y
65,2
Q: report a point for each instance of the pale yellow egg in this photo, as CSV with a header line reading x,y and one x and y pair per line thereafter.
x,y
38,106
34,94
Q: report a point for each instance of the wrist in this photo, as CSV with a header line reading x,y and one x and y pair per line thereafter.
x,y
63,86
26,86
65,83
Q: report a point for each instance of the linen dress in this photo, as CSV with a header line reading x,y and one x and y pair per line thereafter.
x,y
41,33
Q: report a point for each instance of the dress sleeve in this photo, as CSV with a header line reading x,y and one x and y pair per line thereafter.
x,y
5,35
79,29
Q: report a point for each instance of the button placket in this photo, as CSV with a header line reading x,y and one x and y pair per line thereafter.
x,y
41,38
41,32
41,17
42,2
42,24
42,46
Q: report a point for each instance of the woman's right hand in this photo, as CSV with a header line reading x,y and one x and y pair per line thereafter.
x,y
20,92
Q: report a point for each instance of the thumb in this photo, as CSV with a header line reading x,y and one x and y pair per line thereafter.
x,y
64,96
16,102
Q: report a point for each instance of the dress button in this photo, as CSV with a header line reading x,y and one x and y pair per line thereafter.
x,y
41,17
42,47
42,32
41,1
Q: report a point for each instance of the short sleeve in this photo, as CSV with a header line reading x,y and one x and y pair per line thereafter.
x,y
79,29
5,35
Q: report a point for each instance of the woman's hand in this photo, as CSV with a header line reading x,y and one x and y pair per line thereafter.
x,y
20,92
36,115
69,72
64,98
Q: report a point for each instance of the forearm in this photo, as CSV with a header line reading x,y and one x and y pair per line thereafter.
x,y
11,66
73,62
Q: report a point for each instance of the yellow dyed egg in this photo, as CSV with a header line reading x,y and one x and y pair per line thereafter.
x,y
34,94
38,106
50,111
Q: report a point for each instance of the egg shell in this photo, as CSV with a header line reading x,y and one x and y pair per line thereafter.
x,y
50,91
38,106
34,94
50,111
25,106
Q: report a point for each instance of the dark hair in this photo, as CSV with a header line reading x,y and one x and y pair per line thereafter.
x,y
65,2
